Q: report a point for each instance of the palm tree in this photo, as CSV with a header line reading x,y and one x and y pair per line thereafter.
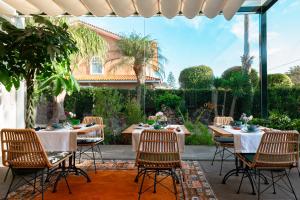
x,y
138,52
89,44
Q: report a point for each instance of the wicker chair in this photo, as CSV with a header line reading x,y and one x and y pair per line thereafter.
x,y
23,153
158,153
277,152
91,142
223,144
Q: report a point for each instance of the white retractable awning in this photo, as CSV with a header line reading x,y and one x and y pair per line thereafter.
x,y
122,8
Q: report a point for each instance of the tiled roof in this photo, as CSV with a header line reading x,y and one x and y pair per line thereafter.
x,y
113,78
99,30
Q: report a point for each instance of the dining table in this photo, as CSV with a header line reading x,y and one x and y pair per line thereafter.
x,y
65,139
245,141
135,131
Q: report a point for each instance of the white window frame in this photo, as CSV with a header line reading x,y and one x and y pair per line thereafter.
x,y
91,66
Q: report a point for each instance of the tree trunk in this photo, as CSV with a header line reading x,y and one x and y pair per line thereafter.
x,y
233,106
139,72
215,94
58,108
224,103
30,102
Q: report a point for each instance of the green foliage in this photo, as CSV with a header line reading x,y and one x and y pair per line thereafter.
x,y
168,99
133,113
279,80
108,103
238,70
294,74
81,103
200,134
279,121
33,52
295,124
198,77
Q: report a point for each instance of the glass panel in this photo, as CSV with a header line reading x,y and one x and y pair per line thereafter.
x,y
96,66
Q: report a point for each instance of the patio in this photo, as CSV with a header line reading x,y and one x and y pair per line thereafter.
x,y
203,155
72,156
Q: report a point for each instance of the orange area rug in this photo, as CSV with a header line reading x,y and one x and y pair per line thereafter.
x,y
109,185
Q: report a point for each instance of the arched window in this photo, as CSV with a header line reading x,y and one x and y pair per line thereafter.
x,y
96,66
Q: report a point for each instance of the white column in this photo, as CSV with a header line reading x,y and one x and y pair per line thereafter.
x,y
12,104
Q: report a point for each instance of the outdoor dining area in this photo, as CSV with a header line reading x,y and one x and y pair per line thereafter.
x,y
120,137
48,163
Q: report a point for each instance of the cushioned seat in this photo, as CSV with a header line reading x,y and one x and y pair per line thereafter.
x,y
87,140
224,139
56,156
248,156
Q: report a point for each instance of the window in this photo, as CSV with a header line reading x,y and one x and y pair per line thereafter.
x,y
96,66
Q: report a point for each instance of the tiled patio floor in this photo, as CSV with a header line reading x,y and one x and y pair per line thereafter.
x,y
204,154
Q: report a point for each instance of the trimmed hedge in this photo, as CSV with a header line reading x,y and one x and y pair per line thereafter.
x,y
282,100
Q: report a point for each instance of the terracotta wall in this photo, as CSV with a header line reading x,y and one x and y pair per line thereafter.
x,y
115,85
112,54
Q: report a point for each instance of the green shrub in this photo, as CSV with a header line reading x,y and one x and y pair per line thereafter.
x,y
295,124
168,99
198,77
200,134
133,113
238,69
279,121
279,80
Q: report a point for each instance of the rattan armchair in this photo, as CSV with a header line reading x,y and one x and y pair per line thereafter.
x,y
91,142
223,144
158,153
277,152
24,154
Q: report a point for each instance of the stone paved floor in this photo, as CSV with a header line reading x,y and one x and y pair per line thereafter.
x,y
204,155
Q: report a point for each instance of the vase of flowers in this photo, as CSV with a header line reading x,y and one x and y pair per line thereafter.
x,y
72,118
246,119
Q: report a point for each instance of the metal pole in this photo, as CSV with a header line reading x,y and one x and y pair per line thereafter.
x,y
263,66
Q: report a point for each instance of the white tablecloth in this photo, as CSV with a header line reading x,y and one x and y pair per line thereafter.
x,y
245,142
136,134
59,139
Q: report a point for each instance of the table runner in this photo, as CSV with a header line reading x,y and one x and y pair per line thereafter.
x,y
245,142
136,134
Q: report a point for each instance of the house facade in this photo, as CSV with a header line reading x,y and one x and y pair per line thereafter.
x,y
107,73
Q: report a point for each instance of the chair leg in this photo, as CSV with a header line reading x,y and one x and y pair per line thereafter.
x,y
241,182
42,184
273,183
10,185
213,160
7,172
258,187
174,182
222,159
136,179
141,187
80,152
34,183
292,188
94,159
100,152
155,179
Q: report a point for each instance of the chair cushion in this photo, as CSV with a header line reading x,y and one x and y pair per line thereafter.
x,y
224,139
57,156
248,156
87,140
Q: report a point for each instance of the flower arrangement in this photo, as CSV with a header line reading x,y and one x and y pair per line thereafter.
x,y
159,117
246,119
72,118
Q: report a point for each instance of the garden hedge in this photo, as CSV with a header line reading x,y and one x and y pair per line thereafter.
x,y
282,100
